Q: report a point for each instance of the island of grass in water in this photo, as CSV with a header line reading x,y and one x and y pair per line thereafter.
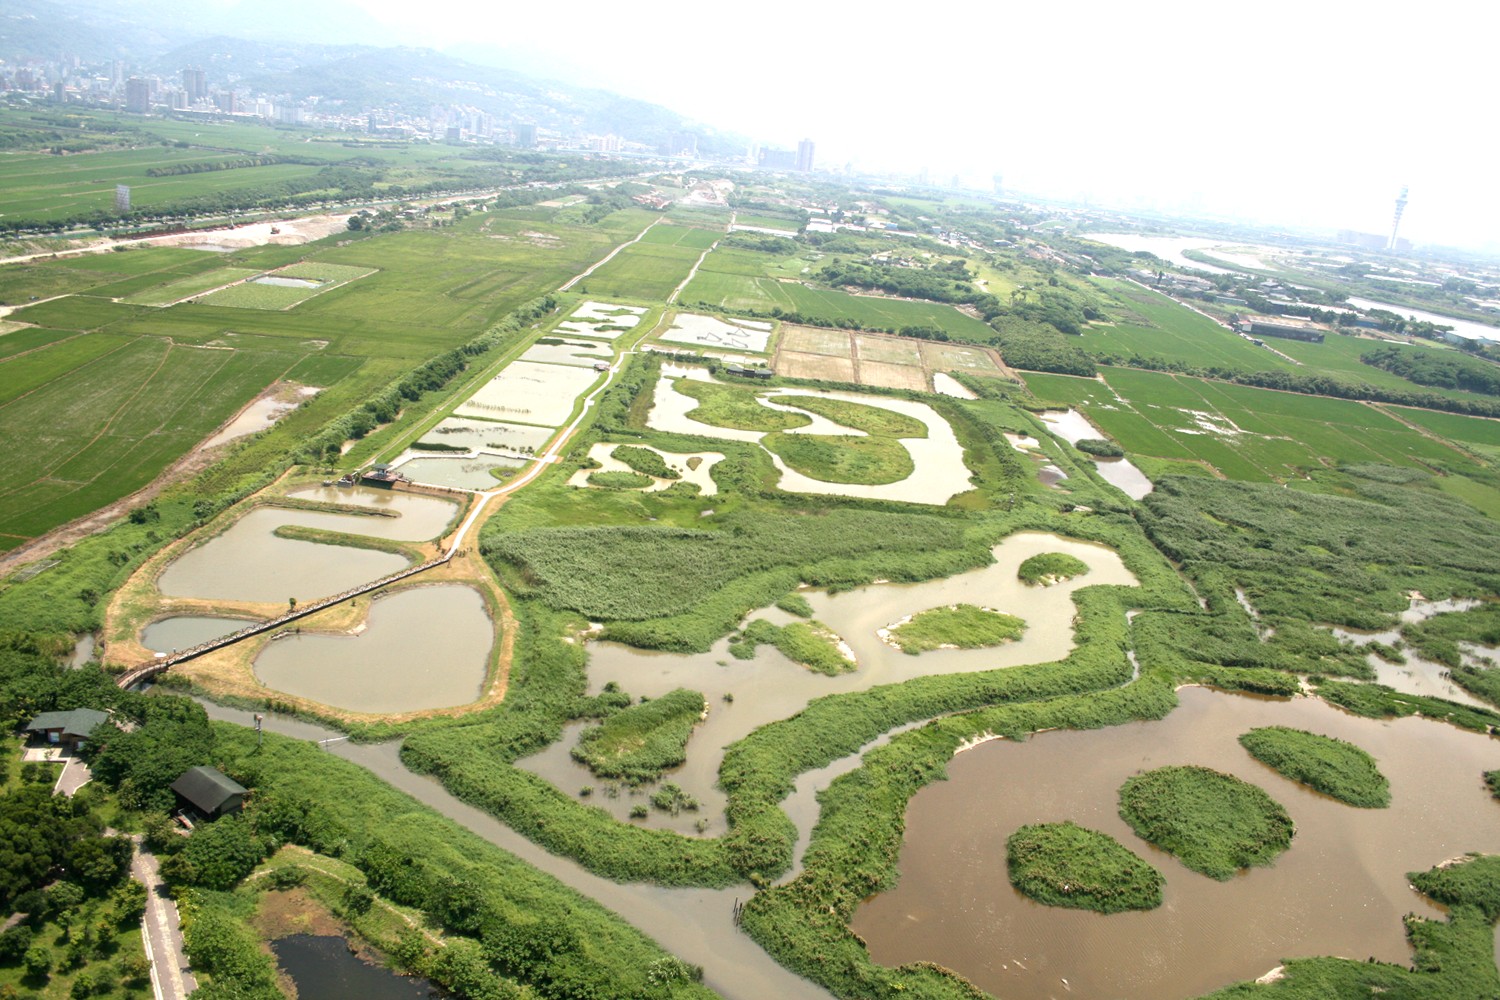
x,y
1213,823
1331,766
958,626
1047,568
1064,864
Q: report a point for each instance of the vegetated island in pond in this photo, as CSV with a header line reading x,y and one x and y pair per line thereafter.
x,y
958,626
811,644
640,742
1213,823
1099,448
1333,767
1047,568
1064,864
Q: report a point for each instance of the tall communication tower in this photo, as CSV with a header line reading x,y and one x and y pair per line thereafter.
x,y
1396,226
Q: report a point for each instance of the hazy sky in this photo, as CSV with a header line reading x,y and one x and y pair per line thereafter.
x,y
1306,113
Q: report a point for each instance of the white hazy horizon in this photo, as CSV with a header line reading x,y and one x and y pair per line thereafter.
x,y
1294,114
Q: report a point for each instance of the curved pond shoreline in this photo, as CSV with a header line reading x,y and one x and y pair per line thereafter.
x,y
1341,888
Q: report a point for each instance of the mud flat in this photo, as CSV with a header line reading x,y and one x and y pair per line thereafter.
x,y
1340,890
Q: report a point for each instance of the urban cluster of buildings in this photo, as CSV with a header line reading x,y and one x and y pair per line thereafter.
x,y
190,93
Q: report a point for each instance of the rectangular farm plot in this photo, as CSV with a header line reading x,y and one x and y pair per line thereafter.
x,y
601,320
892,376
887,350
953,357
176,291
530,393
709,331
456,433
815,366
814,340
287,287
558,351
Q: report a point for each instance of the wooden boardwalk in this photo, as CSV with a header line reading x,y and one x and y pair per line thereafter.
x,y
135,675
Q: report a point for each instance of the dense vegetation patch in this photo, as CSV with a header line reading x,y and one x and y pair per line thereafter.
x,y
1329,765
958,626
796,604
736,408
1313,557
1213,823
640,572
876,420
1063,864
640,742
812,644
644,460
1445,369
864,461
1099,448
619,480
1492,779
1047,568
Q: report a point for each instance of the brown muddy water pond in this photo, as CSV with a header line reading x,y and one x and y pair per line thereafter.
x,y
248,562
1340,890
427,647
186,631
771,687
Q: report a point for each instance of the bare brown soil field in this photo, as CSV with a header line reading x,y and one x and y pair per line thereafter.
x,y
815,366
815,340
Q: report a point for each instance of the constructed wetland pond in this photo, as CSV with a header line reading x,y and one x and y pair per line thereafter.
x,y
1340,890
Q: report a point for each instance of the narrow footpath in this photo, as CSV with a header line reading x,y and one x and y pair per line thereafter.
x,y
161,930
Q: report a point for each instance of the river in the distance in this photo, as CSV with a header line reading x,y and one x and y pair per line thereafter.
x,y
1340,890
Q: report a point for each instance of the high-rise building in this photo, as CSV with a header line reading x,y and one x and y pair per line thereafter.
x,y
195,85
525,135
1396,225
137,95
805,156
122,198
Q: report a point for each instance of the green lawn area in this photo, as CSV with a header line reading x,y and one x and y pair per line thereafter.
x,y
1151,325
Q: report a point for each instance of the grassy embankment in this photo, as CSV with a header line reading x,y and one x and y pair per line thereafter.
x,y
1333,767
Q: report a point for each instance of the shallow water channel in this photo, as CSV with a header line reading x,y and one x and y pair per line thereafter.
x,y
426,647
1340,890
248,562
1072,427
771,687
697,925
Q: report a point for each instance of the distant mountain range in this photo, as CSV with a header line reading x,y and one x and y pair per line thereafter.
x,y
350,62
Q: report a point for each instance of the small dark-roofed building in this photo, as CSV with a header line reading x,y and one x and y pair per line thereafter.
x,y
381,475
69,728
210,791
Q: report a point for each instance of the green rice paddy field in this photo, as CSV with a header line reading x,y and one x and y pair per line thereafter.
x,y
99,416
1242,432
98,397
741,293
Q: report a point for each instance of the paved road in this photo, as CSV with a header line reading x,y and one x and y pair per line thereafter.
x,y
171,978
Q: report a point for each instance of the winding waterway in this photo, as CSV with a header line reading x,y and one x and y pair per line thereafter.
x,y
743,695
1340,890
